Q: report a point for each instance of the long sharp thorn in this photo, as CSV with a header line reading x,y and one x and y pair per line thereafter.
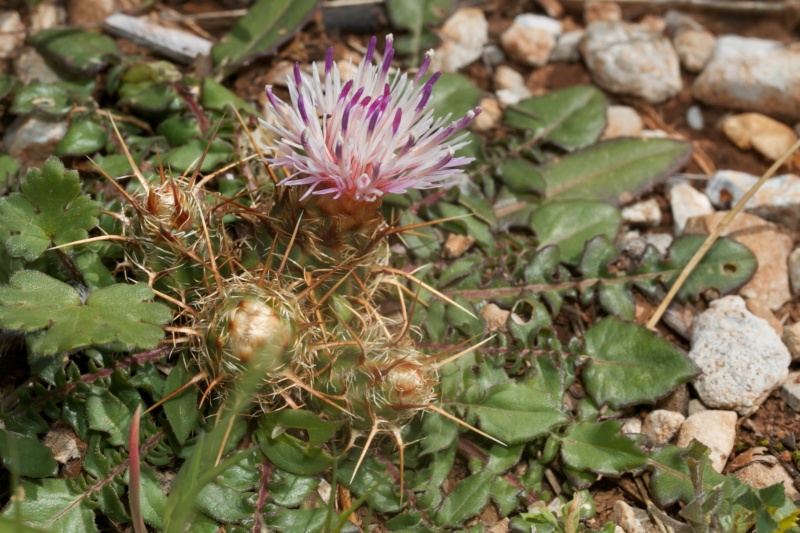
x,y
291,243
195,379
294,379
92,239
119,187
440,364
129,157
401,447
373,430
202,158
462,423
429,288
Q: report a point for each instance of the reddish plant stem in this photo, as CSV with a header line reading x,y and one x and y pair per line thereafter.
x,y
469,451
193,106
266,472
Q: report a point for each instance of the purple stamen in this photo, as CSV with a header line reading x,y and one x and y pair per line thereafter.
x,y
397,118
427,90
388,55
346,89
373,41
346,118
373,122
298,78
365,101
328,61
302,109
338,148
356,96
423,68
273,101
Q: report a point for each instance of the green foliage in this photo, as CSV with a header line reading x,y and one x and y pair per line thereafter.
x,y
417,17
81,52
569,225
267,24
49,210
454,96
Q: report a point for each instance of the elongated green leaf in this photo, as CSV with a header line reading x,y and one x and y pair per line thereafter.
x,y
727,265
598,447
629,364
50,209
51,504
606,171
117,314
296,456
568,225
518,412
416,16
83,138
318,430
181,410
267,24
224,504
672,481
26,455
80,51
468,499
105,412
572,117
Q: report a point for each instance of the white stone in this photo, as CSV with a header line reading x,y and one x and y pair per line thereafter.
x,y
631,59
12,33
631,519
47,15
715,429
32,140
695,406
760,476
622,121
777,200
686,202
506,77
794,270
594,11
463,35
644,213
631,426
661,241
496,318
30,65
694,44
568,46
660,426
531,39
740,356
694,118
790,391
752,74
791,338
493,55
489,117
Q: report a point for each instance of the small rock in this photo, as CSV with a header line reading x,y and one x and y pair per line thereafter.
x,y
64,444
794,270
530,39
767,136
631,519
687,202
630,59
694,118
661,241
493,55
759,475
47,15
770,283
32,140
510,86
677,401
489,118
631,426
633,244
695,406
790,391
661,425
777,200
762,310
694,44
464,35
496,318
30,65
752,74
653,23
594,11
791,338
456,245
568,46
622,121
12,33
715,429
740,356
644,213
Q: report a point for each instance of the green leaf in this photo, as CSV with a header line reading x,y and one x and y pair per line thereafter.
x,y
50,503
518,412
186,157
267,24
568,225
35,302
373,479
84,137
80,51
105,412
25,455
453,94
671,480
49,210
609,170
417,16
181,410
217,96
629,364
224,504
297,520
598,447
8,168
295,455
725,267
319,431
439,433
289,490
49,98
571,118
468,499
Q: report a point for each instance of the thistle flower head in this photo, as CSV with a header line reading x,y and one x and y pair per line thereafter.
x,y
368,136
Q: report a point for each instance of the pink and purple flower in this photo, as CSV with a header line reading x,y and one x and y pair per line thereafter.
x,y
368,136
